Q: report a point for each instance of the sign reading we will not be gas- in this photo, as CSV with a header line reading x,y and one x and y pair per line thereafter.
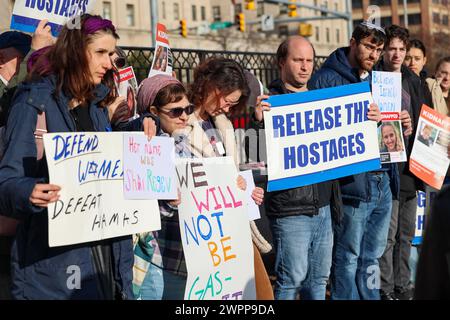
x,y
27,13
149,167
92,206
215,231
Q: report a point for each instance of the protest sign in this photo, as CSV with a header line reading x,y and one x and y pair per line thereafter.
x,y
387,90
320,135
127,87
429,158
27,13
162,59
253,209
149,167
92,206
215,231
387,94
390,138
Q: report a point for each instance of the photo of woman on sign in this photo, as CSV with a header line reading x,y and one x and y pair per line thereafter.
x,y
389,137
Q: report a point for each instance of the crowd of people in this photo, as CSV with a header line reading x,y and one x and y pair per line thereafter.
x,y
350,237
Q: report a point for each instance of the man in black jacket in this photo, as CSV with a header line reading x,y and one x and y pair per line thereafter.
x,y
394,264
300,217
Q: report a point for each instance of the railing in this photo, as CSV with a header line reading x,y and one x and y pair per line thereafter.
x,y
262,65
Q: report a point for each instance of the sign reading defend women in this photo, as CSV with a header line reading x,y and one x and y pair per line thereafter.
x,y
215,231
320,135
27,13
92,206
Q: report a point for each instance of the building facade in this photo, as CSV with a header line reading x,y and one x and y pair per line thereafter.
x,y
205,17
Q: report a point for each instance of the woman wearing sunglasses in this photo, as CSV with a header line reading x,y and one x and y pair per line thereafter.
x,y
220,88
160,269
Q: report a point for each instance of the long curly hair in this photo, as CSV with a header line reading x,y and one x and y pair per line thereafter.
x,y
222,74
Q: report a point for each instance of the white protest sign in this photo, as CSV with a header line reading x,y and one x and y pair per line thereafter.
x,y
89,169
27,13
320,135
215,231
162,59
387,90
253,209
429,159
149,167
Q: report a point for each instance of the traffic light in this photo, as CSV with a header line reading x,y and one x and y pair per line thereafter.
x,y
250,4
183,28
305,29
241,22
292,9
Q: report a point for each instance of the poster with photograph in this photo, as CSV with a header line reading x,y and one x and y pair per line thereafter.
x,y
430,156
390,138
162,59
127,87
387,94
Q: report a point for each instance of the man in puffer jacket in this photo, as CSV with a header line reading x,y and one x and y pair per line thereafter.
x,y
361,238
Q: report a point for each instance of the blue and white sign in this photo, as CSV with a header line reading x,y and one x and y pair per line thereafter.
x,y
27,13
387,90
320,135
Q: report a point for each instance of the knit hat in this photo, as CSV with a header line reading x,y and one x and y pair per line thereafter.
x,y
17,40
149,88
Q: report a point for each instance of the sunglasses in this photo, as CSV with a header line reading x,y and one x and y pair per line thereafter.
x,y
120,62
178,111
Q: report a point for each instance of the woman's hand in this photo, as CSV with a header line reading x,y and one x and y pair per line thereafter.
x,y
406,123
374,113
42,37
258,195
241,183
149,127
261,106
44,194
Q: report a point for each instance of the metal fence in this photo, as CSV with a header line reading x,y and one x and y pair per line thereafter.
x,y
262,65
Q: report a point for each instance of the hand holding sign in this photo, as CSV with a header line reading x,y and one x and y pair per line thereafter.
x,y
261,106
44,194
374,113
406,123
42,36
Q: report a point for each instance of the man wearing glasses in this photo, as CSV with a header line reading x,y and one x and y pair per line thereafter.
x,y
360,236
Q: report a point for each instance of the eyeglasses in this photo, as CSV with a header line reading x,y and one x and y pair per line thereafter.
x,y
178,111
230,103
120,62
372,48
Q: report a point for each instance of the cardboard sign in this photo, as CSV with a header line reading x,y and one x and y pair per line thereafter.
x,y
215,231
92,206
149,167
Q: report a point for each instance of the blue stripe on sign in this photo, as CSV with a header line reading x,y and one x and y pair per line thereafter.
x,y
318,95
330,174
29,25
416,241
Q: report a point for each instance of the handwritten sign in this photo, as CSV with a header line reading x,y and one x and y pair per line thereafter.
x,y
320,135
387,90
27,13
89,169
149,167
215,231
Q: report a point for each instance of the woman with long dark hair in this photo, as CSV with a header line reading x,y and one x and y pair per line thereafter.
x,y
65,82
